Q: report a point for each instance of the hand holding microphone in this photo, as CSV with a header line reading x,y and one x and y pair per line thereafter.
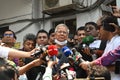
x,y
77,57
52,52
66,51
87,40
40,50
79,61
49,51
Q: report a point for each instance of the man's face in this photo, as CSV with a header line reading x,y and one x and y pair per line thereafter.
x,y
91,30
52,37
61,34
8,38
29,45
42,39
81,34
103,34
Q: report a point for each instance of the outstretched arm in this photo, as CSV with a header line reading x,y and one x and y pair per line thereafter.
x,y
116,11
103,60
9,52
30,65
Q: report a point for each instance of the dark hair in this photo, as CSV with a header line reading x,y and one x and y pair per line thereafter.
x,y
92,23
99,71
7,71
107,20
52,30
80,28
29,36
41,31
2,62
10,31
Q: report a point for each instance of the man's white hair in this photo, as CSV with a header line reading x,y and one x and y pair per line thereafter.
x,y
63,26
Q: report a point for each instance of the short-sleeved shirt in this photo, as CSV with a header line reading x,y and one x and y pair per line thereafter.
x,y
4,52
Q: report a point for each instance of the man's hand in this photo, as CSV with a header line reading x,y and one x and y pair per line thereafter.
x,y
86,50
51,63
37,62
116,11
85,65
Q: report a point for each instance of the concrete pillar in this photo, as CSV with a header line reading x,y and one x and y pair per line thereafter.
x,y
36,12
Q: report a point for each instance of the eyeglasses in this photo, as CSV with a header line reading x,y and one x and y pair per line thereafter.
x,y
62,32
9,35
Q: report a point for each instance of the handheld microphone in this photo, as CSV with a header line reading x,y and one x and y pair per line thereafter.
x,y
87,40
77,57
67,52
50,50
40,51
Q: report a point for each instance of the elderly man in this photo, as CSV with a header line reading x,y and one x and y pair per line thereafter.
x,y
61,37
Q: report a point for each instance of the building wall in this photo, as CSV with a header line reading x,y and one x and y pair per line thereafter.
x,y
93,15
13,10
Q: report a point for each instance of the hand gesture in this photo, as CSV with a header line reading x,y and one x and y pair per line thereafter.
x,y
116,11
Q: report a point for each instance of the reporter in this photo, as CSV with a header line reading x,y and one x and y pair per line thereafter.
x,y
5,52
34,63
105,60
48,73
20,70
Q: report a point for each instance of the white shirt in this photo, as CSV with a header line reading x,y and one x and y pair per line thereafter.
x,y
4,52
112,44
95,44
48,74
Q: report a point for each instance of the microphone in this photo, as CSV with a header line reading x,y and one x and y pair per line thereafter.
x,y
42,49
77,57
67,52
87,40
50,50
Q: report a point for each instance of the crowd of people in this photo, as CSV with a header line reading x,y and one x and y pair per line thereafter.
x,y
96,58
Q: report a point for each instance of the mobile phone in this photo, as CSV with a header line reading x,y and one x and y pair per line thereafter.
x,y
106,8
